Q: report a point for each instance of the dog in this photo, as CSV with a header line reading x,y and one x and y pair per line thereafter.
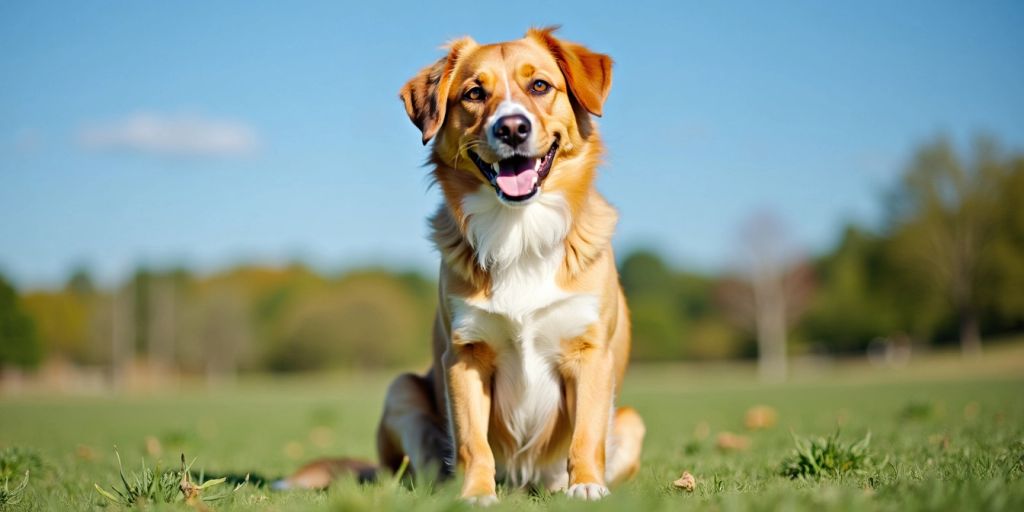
x,y
532,334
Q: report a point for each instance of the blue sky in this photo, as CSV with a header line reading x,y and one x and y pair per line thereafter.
x,y
211,133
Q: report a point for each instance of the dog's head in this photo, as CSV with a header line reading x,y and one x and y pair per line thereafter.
x,y
510,114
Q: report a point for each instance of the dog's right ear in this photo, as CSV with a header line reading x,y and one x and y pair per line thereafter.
x,y
426,95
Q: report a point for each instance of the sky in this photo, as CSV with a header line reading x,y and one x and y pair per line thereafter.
x,y
208,134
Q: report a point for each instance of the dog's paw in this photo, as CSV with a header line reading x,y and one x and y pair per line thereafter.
x,y
481,501
589,492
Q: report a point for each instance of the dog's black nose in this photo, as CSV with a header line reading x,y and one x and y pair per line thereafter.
x,y
512,129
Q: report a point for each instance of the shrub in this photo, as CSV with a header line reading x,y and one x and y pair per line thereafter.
x,y
826,457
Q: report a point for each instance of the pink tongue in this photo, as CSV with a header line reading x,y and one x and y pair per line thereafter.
x,y
515,185
517,175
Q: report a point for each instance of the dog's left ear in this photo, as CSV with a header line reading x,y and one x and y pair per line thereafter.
x,y
588,74
426,95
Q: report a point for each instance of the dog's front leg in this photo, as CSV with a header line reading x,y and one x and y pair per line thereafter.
x,y
469,368
587,372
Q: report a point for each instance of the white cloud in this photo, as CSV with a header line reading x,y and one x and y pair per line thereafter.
x,y
170,135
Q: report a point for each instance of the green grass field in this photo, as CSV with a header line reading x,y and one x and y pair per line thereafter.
x,y
946,435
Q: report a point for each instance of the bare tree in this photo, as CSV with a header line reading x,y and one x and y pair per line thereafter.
x,y
162,324
122,335
770,291
217,336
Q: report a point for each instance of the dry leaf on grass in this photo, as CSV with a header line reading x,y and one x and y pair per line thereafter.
x,y
686,482
321,436
85,452
727,441
760,417
971,410
294,450
153,446
940,440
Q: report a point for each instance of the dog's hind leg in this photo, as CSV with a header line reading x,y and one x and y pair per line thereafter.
x,y
625,443
411,426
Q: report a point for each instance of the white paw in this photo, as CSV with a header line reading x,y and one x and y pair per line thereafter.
x,y
481,501
589,492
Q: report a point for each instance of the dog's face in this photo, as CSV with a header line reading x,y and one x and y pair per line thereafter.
x,y
507,114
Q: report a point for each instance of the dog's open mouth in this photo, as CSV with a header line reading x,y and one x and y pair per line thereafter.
x,y
517,178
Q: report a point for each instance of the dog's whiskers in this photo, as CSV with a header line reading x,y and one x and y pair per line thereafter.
x,y
465,147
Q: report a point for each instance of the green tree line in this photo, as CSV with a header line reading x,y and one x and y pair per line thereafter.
x,y
945,266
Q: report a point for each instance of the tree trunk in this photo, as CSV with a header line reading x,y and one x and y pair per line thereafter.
x,y
770,319
161,327
771,341
123,334
970,333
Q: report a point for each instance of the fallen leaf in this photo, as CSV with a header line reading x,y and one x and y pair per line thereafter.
x,y
842,417
686,482
189,490
727,441
321,436
153,446
294,450
760,417
940,440
85,452
971,410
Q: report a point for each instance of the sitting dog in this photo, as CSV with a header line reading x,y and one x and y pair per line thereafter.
x,y
531,337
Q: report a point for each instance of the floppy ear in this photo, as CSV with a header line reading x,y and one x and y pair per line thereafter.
x,y
588,74
426,95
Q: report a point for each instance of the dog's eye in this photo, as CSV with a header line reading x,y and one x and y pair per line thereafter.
x,y
539,87
474,94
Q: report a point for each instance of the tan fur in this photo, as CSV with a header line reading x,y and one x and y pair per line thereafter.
x,y
591,365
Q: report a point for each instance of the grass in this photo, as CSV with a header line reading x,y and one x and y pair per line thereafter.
x,y
162,486
828,457
12,496
16,465
943,436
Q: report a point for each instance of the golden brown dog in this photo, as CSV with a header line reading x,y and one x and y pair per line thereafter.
x,y
531,337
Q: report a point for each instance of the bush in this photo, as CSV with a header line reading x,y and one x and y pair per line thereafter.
x,y
19,345
826,457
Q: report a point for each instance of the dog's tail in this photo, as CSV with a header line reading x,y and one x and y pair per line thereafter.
x,y
319,474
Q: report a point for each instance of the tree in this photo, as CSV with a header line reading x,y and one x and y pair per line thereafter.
x,y
770,292
19,345
943,218
163,323
62,322
80,283
854,303
1004,257
656,321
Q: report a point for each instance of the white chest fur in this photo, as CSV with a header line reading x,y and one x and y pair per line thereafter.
x,y
526,316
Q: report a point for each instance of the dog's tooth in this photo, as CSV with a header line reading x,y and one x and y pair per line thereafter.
x,y
496,167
